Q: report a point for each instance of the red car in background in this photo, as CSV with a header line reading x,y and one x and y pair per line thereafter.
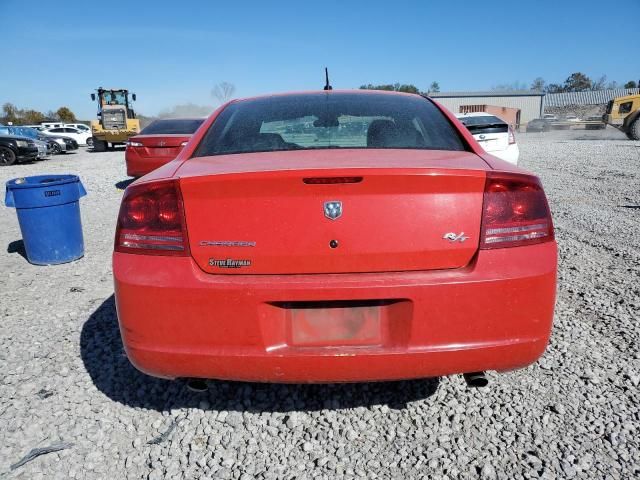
x,y
158,143
334,236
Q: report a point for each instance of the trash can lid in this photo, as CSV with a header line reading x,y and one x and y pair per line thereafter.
x,y
39,181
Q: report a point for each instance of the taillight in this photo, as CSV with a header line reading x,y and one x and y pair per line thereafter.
x,y
514,211
151,220
512,136
134,144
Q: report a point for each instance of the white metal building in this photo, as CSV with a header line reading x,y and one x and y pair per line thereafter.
x,y
531,104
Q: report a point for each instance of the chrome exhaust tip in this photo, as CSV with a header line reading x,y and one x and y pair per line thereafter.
x,y
475,379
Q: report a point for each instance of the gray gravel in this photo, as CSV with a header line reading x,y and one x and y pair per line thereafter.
x,y
574,414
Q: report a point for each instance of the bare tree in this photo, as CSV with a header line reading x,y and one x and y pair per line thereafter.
x,y
538,84
599,84
223,91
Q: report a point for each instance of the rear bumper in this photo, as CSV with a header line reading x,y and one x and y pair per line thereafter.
x,y
138,166
511,154
177,321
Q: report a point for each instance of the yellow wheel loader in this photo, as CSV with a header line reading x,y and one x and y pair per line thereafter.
x,y
623,113
116,119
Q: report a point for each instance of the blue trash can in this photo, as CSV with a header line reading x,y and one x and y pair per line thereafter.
x,y
48,210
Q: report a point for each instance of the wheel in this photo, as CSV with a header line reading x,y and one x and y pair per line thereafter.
x,y
90,141
7,156
55,149
98,145
633,132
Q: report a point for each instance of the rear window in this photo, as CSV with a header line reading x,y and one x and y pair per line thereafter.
x,y
329,121
484,124
176,126
481,120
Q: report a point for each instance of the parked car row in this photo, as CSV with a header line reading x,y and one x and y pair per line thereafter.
x,y
18,143
83,137
49,125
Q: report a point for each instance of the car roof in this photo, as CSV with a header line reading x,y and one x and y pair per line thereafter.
x,y
180,118
327,92
19,137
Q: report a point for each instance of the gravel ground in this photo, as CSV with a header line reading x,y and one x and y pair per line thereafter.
x,y
574,414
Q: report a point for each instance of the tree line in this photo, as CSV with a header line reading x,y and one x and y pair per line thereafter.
x,y
576,82
18,116
580,82
404,87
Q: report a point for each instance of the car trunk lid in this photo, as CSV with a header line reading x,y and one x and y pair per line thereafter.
x,y
390,210
492,136
160,145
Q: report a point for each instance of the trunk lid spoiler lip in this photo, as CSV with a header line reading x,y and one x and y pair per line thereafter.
x,y
342,160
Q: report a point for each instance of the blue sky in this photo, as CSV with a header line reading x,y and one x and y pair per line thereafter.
x,y
170,52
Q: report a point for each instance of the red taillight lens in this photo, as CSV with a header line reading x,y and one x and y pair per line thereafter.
x,y
514,212
512,136
151,220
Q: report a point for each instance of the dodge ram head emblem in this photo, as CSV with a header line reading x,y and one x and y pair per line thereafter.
x,y
333,209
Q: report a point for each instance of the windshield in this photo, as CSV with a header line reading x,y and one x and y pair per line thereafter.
x,y
114,98
184,126
329,120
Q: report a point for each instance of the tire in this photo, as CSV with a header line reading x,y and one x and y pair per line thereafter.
x,y
98,145
90,142
7,157
55,149
633,131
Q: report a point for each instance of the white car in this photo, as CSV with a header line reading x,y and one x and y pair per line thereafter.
x,y
46,125
79,126
493,134
82,137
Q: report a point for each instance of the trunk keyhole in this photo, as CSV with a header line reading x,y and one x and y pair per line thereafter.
x,y
333,243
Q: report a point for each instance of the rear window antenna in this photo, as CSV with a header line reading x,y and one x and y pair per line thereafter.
x,y
327,86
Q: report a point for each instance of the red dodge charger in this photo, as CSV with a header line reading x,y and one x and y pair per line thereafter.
x,y
334,236
158,143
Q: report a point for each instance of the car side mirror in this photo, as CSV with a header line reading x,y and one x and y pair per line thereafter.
x,y
133,96
93,97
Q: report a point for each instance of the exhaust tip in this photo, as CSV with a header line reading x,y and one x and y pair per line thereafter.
x,y
197,385
476,379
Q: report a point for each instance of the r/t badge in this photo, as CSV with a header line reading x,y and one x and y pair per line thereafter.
x,y
453,237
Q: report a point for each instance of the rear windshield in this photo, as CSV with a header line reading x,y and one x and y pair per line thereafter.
x,y
181,126
329,120
484,124
481,121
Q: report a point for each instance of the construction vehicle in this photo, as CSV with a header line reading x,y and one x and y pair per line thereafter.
x,y
623,113
116,119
